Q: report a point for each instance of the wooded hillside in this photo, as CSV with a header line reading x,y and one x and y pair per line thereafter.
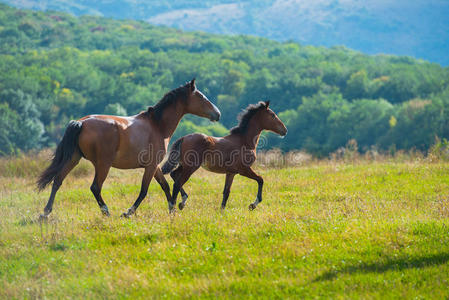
x,y
55,67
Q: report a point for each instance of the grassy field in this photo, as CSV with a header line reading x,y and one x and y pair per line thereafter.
x,y
363,230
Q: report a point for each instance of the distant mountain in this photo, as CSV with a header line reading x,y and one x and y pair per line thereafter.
x,y
418,28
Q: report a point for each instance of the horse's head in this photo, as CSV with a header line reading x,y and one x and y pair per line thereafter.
x,y
198,104
270,121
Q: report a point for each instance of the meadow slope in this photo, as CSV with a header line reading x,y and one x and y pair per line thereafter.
x,y
337,230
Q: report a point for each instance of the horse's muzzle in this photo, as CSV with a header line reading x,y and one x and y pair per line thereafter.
x,y
284,132
215,116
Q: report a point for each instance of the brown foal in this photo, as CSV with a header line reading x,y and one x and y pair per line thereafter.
x,y
232,154
138,141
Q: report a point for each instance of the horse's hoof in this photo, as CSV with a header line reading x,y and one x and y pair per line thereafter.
x,y
181,205
129,213
252,206
43,217
172,207
105,212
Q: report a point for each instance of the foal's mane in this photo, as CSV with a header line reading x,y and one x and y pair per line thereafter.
x,y
245,116
170,98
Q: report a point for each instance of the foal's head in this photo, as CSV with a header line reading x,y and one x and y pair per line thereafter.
x,y
199,105
268,120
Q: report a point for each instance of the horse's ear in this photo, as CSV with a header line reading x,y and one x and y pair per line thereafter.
x,y
192,85
267,104
150,109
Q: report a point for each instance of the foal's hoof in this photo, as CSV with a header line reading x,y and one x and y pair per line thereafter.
x,y
129,213
181,205
126,214
252,206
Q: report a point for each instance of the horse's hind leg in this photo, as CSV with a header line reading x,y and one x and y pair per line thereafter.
x,y
227,189
181,179
58,182
101,172
175,175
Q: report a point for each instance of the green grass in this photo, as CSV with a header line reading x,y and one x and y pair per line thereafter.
x,y
365,230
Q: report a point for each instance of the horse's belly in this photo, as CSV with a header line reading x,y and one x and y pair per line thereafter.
x,y
126,164
132,158
213,168
128,157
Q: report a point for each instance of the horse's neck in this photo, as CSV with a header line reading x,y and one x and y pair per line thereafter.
x,y
252,135
171,117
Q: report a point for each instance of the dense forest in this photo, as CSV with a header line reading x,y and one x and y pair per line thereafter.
x,y
419,28
55,67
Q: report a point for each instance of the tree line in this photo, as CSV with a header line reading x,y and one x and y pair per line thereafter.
x,y
55,67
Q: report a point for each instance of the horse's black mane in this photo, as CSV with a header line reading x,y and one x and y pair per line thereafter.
x,y
157,110
245,116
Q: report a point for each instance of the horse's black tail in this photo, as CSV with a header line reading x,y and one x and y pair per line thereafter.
x,y
173,157
63,154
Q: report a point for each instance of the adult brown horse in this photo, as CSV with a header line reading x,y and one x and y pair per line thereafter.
x,y
232,154
138,141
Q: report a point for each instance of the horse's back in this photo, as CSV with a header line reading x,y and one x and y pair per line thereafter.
x,y
120,141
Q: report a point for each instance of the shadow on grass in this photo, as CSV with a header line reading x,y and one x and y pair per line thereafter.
x,y
396,264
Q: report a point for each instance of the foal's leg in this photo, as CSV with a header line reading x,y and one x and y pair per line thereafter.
x,y
160,178
101,172
58,181
248,172
175,175
227,189
147,176
179,182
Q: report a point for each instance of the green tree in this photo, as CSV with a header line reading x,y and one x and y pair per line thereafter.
x,y
19,119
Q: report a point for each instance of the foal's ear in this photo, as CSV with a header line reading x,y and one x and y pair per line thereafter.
x,y
192,85
267,104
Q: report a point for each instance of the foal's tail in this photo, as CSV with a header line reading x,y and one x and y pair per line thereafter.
x,y
173,157
63,154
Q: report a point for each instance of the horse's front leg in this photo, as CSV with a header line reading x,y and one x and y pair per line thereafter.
x,y
147,176
248,172
160,178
